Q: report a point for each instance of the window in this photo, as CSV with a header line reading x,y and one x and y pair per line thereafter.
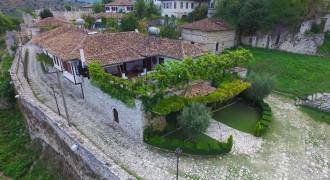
x,y
113,8
174,5
164,5
107,8
187,5
217,46
161,60
181,5
192,5
170,5
129,8
211,5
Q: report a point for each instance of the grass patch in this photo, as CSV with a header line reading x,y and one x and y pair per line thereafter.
x,y
316,114
202,145
240,116
296,74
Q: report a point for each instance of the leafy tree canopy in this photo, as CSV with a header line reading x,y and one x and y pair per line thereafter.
x,y
45,13
195,119
253,15
98,8
129,22
89,21
8,23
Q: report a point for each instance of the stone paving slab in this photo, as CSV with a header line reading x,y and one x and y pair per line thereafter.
x,y
244,143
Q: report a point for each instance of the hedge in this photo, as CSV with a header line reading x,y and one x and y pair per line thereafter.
x,y
225,92
204,145
264,123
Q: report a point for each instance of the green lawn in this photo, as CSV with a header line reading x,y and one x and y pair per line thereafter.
x,y
240,116
316,114
296,74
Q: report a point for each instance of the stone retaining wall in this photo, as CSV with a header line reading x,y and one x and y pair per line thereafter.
x,y
285,40
83,156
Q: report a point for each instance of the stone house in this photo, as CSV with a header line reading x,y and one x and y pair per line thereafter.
x,y
213,34
179,8
120,6
125,54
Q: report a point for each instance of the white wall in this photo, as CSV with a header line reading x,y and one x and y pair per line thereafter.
x,y
167,8
123,9
225,39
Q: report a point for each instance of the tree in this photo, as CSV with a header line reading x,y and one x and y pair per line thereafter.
x,y
98,8
129,22
251,16
45,13
67,7
199,13
140,8
262,86
145,10
194,119
106,1
169,32
89,21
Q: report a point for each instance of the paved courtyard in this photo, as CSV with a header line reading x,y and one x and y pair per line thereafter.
x,y
296,147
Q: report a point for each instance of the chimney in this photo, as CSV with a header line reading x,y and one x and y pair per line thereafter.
x,y
82,57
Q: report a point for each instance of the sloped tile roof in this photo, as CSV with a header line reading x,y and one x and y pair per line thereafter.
x,y
121,3
208,25
112,48
199,89
51,21
109,15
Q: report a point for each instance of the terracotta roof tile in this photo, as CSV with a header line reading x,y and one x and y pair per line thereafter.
x,y
52,21
112,48
199,89
121,3
109,15
208,24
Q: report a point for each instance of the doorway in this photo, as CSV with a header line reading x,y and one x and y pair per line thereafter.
x,y
115,115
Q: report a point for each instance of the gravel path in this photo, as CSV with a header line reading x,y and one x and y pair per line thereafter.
x,y
244,143
295,148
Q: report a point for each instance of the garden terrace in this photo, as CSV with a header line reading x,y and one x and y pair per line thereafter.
x,y
154,87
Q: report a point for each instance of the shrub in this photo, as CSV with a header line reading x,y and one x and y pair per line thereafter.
x,y
203,145
263,124
45,13
129,22
316,28
224,93
194,119
262,86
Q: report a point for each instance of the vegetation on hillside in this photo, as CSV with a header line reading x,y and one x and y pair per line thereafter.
x,y
45,13
252,15
325,48
20,157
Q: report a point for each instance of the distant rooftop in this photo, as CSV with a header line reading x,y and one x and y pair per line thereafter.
x,y
209,25
121,3
51,21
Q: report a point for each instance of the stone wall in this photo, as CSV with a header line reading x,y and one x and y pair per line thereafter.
x,y
83,156
131,120
225,39
285,40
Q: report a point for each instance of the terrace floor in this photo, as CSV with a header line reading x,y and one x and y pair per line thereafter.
x,y
296,147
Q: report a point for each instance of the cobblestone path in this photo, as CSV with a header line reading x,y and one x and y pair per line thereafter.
x,y
296,147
